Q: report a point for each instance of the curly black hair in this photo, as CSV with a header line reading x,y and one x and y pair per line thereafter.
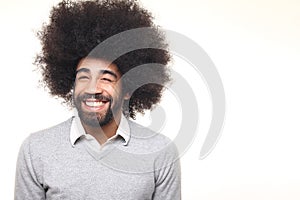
x,y
76,28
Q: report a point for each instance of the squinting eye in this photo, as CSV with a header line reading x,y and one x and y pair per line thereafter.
x,y
106,80
83,78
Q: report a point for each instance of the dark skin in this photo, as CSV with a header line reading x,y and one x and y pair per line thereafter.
x,y
96,76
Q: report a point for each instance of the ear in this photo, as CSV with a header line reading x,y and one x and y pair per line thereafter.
x,y
127,96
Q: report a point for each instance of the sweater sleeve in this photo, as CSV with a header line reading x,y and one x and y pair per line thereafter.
x,y
27,184
168,176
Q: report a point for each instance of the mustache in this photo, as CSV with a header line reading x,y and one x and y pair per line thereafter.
x,y
99,97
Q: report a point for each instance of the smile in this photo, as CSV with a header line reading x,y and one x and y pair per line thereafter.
x,y
94,104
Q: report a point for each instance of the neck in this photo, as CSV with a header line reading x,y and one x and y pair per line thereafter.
x,y
103,133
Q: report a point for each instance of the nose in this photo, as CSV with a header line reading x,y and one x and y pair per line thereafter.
x,y
94,87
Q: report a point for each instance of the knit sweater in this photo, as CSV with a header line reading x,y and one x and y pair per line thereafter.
x,y
49,167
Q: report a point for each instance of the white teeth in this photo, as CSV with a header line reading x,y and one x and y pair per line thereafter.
x,y
94,103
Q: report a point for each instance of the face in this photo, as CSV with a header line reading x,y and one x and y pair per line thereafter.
x,y
98,93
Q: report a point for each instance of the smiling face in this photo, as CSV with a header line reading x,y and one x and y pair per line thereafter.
x,y
98,95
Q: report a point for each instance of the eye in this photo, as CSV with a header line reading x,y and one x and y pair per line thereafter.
x,y
106,80
83,78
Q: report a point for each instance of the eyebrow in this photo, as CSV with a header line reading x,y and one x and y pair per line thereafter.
x,y
104,71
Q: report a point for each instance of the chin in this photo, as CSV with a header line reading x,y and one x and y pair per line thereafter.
x,y
95,119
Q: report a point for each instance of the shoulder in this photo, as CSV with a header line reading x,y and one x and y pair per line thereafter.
x,y
146,151
141,133
48,139
57,131
149,140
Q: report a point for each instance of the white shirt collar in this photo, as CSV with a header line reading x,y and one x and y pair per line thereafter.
x,y
77,129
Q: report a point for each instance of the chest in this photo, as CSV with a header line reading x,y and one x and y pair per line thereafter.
x,y
89,179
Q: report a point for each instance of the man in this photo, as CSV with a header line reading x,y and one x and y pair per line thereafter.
x,y
99,153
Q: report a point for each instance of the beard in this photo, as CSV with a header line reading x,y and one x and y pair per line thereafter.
x,y
94,119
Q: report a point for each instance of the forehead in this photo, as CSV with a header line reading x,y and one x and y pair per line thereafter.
x,y
95,65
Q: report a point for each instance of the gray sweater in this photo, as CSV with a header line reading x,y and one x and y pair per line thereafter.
x,y
49,167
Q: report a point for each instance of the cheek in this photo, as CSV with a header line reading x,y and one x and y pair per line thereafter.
x,y
76,93
79,87
117,92
114,91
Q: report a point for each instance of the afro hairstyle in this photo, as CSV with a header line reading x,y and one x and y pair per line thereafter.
x,y
77,27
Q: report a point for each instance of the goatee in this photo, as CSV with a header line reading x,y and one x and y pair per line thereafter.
x,y
94,119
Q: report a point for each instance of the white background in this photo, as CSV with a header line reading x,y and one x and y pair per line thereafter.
x,y
255,46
